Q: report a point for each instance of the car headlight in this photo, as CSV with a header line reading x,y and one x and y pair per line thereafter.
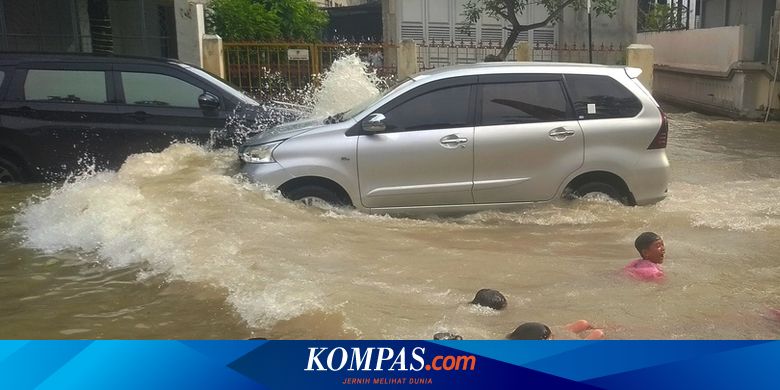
x,y
258,154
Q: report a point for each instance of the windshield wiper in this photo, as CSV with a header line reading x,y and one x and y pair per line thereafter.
x,y
335,118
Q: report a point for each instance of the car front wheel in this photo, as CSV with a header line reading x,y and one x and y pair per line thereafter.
x,y
316,195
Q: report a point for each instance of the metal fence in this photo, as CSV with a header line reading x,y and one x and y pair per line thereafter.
x,y
604,54
265,69
436,54
257,67
675,15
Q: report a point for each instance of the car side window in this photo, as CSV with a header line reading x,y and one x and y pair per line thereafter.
x,y
70,86
439,109
523,102
159,90
600,97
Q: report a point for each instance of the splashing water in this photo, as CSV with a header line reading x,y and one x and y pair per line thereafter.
x,y
347,84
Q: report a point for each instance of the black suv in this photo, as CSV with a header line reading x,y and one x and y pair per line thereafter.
x,y
60,110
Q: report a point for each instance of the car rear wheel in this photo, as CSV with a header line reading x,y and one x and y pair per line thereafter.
x,y
316,196
10,172
598,187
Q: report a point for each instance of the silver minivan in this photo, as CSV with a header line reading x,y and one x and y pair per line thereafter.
x,y
474,137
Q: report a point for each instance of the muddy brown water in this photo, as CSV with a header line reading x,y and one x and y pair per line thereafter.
x,y
173,246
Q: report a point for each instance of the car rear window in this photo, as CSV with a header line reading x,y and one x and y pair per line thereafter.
x,y
599,97
523,102
70,86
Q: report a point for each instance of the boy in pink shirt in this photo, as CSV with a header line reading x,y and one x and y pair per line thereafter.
x,y
648,268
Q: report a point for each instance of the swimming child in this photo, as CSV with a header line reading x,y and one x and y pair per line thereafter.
x,y
490,298
539,331
648,268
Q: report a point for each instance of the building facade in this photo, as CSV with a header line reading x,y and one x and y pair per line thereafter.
x,y
153,28
727,66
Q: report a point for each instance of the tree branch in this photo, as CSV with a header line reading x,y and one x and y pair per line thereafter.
x,y
553,14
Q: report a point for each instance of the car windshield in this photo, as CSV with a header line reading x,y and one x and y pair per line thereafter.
x,y
232,90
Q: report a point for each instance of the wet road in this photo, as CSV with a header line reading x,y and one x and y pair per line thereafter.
x,y
174,246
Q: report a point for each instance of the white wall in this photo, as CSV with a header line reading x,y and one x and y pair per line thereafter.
x,y
708,50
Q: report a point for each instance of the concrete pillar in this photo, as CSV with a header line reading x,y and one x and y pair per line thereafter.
x,y
390,34
407,59
213,55
82,13
524,52
190,28
642,57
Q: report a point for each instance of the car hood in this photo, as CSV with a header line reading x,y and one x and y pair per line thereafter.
x,y
284,131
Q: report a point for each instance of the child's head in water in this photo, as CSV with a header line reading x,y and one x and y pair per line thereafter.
x,y
531,331
650,247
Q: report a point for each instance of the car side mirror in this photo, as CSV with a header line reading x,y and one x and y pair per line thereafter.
x,y
208,101
374,123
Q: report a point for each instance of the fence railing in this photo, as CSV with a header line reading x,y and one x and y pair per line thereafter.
x,y
249,65
258,68
434,54
604,54
664,17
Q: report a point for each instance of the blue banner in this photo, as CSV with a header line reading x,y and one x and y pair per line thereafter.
x,y
258,364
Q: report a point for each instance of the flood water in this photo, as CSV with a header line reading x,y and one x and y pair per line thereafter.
x,y
176,246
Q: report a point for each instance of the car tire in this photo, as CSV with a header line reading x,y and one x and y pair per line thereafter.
x,y
597,186
10,172
309,195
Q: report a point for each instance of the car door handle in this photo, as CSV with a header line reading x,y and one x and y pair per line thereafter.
x,y
561,132
24,110
138,116
453,140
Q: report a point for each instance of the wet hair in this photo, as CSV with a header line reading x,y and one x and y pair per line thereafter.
x,y
531,331
446,336
645,240
490,298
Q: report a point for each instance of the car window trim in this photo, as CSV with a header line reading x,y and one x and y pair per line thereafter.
x,y
8,73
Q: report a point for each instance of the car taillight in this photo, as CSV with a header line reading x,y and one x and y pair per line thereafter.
x,y
659,142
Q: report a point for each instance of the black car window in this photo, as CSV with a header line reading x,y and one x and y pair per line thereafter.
x,y
439,109
599,97
159,90
70,86
523,102
2,77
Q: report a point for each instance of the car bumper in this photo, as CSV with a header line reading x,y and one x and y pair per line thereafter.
x,y
651,179
270,174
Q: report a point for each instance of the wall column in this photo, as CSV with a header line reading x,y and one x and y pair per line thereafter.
x,y
213,55
190,29
523,52
407,59
642,57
